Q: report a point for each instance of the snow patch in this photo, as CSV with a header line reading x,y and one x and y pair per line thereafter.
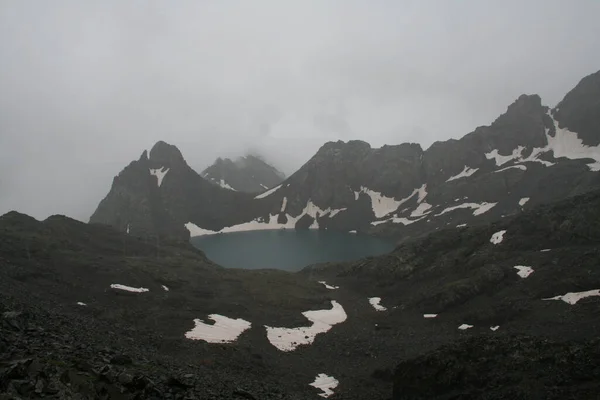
x,y
166,289
465,326
523,271
396,220
565,144
466,172
326,384
351,231
523,201
479,208
287,339
518,166
225,185
333,213
263,186
375,303
127,230
497,237
461,225
329,286
494,328
429,315
129,288
268,192
573,297
383,205
160,174
283,204
79,303
545,250
224,330
265,224
421,210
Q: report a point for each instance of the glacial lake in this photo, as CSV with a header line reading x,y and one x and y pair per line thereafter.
x,y
289,250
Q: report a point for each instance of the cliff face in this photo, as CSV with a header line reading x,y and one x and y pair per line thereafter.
x,y
529,155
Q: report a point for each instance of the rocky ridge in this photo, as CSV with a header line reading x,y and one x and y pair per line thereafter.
x,y
529,155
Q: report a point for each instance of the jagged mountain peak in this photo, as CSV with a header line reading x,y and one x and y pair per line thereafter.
x,y
166,154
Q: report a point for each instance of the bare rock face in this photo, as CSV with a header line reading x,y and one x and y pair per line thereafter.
x,y
529,155
249,174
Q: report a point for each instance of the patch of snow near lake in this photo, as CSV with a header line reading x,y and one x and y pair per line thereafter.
x,y
287,339
224,330
326,384
497,237
466,172
375,303
166,289
160,174
268,192
523,201
565,144
494,328
523,271
271,224
79,303
329,286
465,326
383,205
573,297
429,315
479,208
283,204
351,231
397,220
333,213
225,185
129,288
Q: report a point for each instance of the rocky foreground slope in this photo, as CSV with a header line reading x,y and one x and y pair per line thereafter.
x,y
249,174
448,315
530,155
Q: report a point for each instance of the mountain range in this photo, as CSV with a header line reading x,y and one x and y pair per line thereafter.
x,y
245,174
531,154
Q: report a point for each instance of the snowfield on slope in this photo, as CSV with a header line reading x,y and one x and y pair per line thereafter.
x,y
573,297
287,339
374,301
160,174
224,330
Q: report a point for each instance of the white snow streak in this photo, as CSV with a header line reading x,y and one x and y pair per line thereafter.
x,y
351,231
523,201
466,172
494,328
160,174
287,339
283,204
225,185
461,225
429,315
421,210
518,166
523,271
497,237
329,286
79,303
224,330
129,288
166,289
465,326
573,297
479,208
375,303
268,192
326,384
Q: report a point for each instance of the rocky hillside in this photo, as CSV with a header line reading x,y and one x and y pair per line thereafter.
x,y
529,155
246,174
89,312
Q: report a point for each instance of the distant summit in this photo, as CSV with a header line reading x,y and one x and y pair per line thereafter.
x,y
249,174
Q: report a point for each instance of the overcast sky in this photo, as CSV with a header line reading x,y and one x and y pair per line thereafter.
x,y
86,86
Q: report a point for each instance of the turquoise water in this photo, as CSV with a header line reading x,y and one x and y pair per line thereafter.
x,y
289,250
